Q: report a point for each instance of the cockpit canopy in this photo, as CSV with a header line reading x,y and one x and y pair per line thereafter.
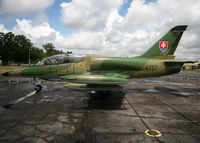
x,y
62,58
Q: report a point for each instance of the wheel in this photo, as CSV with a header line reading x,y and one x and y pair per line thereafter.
x,y
38,88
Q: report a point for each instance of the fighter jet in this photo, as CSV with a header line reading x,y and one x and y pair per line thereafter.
x,y
96,72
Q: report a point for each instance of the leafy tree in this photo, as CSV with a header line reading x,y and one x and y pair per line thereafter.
x,y
16,49
36,54
51,50
21,49
6,45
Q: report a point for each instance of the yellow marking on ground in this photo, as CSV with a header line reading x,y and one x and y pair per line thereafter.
x,y
153,133
85,124
72,129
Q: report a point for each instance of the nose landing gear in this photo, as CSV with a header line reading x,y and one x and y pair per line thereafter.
x,y
37,85
38,88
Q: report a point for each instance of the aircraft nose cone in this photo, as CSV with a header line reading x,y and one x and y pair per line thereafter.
x,y
5,74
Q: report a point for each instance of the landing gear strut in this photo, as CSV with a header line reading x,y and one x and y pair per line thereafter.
x,y
37,85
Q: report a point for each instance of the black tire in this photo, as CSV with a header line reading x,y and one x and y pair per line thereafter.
x,y
38,88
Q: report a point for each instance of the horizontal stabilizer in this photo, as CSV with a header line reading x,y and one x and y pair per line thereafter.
x,y
174,63
179,62
188,61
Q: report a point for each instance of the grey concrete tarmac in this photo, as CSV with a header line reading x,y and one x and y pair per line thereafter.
x,y
170,105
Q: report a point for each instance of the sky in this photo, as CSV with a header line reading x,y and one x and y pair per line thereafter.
x,y
105,27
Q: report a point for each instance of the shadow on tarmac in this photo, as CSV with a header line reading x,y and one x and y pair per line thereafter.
x,y
110,101
159,89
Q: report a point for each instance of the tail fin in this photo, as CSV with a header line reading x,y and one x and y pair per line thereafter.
x,y
167,44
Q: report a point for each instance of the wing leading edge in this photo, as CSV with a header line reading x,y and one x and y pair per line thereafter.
x,y
102,79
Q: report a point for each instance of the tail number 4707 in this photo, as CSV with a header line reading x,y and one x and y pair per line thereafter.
x,y
151,67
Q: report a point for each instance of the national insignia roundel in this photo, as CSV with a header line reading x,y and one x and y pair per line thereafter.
x,y
163,45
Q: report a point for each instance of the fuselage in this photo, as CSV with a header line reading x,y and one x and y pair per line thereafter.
x,y
132,67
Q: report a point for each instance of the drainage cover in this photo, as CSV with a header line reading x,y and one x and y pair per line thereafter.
x,y
153,133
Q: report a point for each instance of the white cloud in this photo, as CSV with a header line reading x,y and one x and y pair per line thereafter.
x,y
162,15
24,7
89,15
39,34
3,29
114,35
147,21
111,41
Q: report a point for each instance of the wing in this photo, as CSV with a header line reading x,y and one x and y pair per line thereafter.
x,y
92,87
97,79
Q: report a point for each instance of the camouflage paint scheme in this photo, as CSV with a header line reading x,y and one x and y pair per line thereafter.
x,y
96,69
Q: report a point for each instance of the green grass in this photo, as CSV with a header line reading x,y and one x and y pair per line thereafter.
x,y
7,68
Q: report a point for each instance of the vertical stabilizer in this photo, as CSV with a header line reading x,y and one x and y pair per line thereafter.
x,y
167,44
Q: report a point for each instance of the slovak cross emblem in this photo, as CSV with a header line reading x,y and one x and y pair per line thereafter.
x,y
163,45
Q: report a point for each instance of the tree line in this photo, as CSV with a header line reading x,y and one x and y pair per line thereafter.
x,y
16,49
